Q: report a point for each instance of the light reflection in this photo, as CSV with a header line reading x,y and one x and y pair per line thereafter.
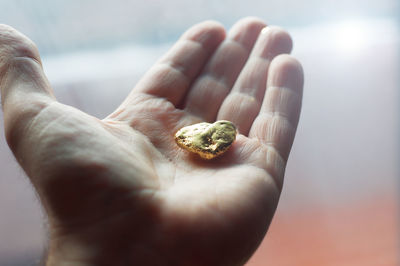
x,y
351,36
348,38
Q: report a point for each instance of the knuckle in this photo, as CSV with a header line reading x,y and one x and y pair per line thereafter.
x,y
14,44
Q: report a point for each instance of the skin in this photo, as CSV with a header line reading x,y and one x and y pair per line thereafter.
x,y
119,191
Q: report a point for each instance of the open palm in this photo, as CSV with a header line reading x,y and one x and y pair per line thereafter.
x,y
119,191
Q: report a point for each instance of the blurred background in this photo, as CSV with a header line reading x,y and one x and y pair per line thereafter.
x,y
340,202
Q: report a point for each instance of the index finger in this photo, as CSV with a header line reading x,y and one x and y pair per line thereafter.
x,y
172,76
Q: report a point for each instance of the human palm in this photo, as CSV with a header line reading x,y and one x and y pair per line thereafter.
x,y
119,191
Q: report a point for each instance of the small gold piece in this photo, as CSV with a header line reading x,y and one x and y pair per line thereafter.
x,y
205,139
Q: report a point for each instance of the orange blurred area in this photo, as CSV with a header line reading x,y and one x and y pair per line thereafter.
x,y
362,234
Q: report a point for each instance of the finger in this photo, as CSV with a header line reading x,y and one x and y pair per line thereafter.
x,y
174,73
277,121
219,75
243,103
25,90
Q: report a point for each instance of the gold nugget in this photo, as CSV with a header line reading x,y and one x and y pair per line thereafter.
x,y
205,139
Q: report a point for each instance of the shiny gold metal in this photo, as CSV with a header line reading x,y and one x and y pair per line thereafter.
x,y
207,140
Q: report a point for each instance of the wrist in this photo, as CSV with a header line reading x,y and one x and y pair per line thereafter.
x,y
63,252
88,251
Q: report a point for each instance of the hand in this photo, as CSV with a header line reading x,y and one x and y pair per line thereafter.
x,y
119,191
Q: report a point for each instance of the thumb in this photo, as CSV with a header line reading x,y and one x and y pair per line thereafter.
x,y
25,90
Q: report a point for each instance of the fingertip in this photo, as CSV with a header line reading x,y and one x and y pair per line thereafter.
x,y
246,30
14,44
209,33
286,71
212,24
21,73
278,41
